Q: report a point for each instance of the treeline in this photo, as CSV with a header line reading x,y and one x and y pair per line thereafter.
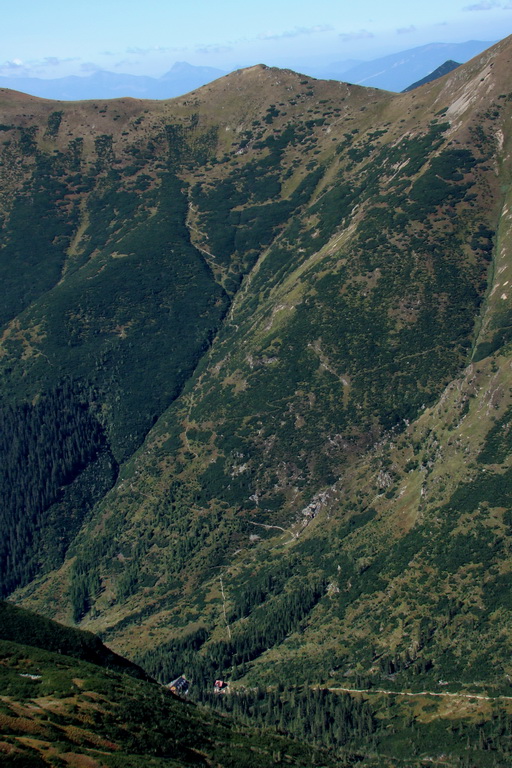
x,y
44,448
343,722
261,587
267,626
317,716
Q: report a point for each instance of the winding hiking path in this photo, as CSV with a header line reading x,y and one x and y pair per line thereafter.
x,y
277,527
423,693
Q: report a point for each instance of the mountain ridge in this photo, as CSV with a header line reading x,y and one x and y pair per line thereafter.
x,y
60,702
328,486
255,72
415,62
103,84
184,77
444,69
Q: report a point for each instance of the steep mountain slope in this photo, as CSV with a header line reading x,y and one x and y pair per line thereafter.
x,y
108,281
284,308
444,69
19,625
57,709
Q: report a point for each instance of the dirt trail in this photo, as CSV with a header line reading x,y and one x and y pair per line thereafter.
x,y
277,527
424,693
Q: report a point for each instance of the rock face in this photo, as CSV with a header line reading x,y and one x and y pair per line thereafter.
x,y
271,319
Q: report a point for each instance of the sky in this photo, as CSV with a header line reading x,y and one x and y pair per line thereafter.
x,y
56,38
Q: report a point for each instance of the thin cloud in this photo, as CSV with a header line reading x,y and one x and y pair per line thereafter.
x,y
485,5
30,68
363,34
89,66
214,48
153,49
138,51
296,32
208,49
406,30
54,61
13,66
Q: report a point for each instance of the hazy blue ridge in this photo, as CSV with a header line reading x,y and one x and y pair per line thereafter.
x,y
393,73
180,79
399,70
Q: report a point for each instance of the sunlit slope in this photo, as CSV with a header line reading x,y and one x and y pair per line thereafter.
x,y
60,709
330,487
111,294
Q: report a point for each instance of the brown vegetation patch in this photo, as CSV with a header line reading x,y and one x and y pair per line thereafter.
x,y
81,761
23,724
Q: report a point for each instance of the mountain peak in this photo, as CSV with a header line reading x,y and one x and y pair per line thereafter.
x,y
187,73
256,346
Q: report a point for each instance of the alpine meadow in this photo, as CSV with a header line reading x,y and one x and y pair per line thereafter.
x,y
255,354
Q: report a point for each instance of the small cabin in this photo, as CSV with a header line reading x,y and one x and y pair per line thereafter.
x,y
179,686
219,685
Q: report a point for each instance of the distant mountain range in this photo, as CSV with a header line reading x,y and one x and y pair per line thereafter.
x,y
392,73
180,79
399,70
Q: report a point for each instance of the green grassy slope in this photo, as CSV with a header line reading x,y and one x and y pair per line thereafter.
x,y
28,628
57,709
352,321
326,499
117,292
